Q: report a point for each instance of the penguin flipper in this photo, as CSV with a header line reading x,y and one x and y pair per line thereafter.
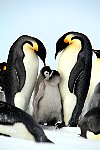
x,y
75,73
20,71
40,94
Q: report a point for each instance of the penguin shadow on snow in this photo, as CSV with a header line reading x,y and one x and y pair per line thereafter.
x,y
47,101
16,123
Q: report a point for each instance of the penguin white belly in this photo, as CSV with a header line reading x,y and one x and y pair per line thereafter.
x,y
50,104
92,136
95,79
18,130
67,61
31,65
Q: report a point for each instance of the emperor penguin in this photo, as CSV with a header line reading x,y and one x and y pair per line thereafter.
x,y
95,79
22,70
41,77
74,67
16,123
95,98
2,74
2,80
90,124
47,103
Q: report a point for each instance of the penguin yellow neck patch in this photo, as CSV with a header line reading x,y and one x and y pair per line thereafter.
x,y
4,68
68,39
35,46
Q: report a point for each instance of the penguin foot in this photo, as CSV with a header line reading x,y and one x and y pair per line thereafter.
x,y
60,125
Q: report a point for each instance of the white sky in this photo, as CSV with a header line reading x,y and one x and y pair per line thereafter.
x,y
47,20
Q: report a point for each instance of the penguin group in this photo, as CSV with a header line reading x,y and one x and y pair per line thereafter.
x,y
60,97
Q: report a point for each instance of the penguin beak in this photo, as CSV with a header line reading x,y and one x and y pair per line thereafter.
x,y
96,51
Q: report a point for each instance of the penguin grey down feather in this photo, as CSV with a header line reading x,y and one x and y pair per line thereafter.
x,y
47,103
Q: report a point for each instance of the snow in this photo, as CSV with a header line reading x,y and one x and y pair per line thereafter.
x,y
67,138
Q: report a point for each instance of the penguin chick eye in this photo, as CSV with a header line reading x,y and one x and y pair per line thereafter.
x,y
46,73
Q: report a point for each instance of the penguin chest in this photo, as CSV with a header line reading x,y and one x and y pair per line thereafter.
x,y
51,101
17,130
66,63
31,67
92,136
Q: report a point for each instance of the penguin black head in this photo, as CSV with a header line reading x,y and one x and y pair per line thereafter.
x,y
97,52
70,38
3,66
2,73
46,71
34,44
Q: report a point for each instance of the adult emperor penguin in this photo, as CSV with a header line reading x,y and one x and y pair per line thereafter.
x,y
47,103
75,70
90,124
22,70
2,80
95,79
15,122
2,74
95,98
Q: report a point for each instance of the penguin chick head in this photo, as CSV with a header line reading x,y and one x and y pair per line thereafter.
x,y
36,45
97,52
70,38
54,74
46,71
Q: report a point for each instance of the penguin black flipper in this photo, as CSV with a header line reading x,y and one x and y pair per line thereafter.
x,y
17,119
75,73
90,122
21,74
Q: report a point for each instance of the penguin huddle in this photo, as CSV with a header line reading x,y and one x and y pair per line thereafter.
x,y
59,95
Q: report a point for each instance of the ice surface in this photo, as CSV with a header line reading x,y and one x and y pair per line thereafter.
x,y
67,138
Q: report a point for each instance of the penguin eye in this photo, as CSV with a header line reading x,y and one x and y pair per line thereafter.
x,y
46,73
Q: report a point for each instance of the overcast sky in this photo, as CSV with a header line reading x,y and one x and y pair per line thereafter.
x,y
47,20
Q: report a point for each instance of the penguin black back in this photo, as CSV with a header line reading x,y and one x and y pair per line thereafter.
x,y
90,123
10,115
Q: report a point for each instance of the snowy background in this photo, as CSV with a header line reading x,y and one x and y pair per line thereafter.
x,y
66,138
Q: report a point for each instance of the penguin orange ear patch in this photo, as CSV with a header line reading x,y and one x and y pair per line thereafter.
x,y
4,68
35,46
67,40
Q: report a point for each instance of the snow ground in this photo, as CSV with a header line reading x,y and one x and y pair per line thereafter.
x,y
66,138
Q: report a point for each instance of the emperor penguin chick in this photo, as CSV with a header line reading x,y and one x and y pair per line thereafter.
x,y
16,123
47,103
95,79
22,70
90,124
74,67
